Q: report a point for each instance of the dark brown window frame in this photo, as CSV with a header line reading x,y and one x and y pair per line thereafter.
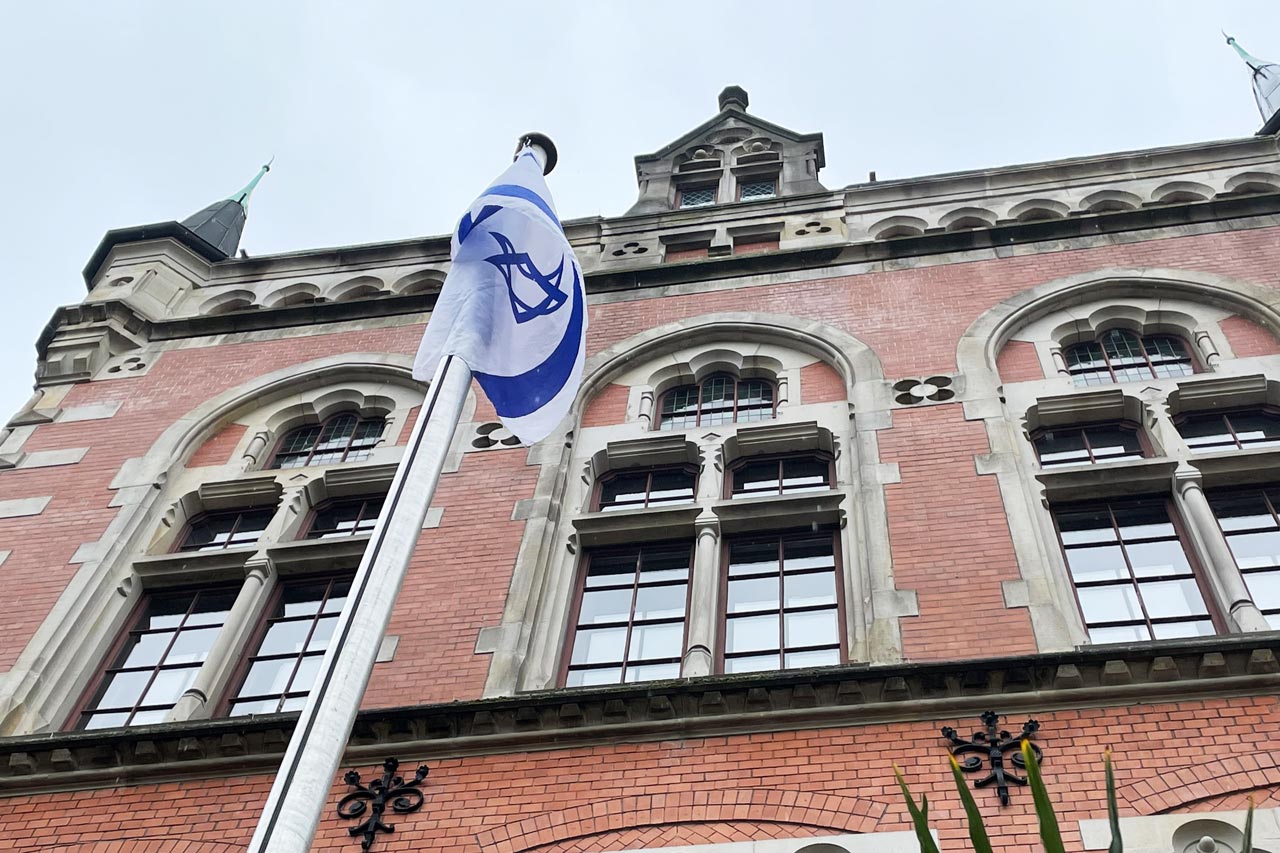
x,y
1180,534
307,529
780,458
112,660
1271,506
1225,414
273,458
659,418
180,545
722,615
241,671
1144,441
580,588
598,490
1111,369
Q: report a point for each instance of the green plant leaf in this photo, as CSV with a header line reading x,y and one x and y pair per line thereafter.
x,y
1050,836
1247,845
919,815
977,830
1113,811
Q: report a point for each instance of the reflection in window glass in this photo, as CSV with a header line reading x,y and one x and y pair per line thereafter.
x,y
1249,520
638,489
341,438
630,623
214,531
1131,574
284,667
785,475
161,655
782,606
1087,444
1122,356
718,399
1212,431
344,518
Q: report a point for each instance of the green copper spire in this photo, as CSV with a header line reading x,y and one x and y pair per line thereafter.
x,y
242,197
1266,81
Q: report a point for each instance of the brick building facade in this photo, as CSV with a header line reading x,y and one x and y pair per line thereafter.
x,y
847,466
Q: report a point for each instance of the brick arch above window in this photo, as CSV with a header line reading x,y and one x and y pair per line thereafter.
x,y
767,805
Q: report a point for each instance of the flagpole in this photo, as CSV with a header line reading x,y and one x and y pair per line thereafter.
x,y
302,784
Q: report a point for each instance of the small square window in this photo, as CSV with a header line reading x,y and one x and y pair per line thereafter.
x,y
756,189
697,196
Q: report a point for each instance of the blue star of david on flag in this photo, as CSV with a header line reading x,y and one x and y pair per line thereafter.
x,y
513,307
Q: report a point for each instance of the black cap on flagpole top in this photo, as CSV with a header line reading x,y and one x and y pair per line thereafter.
x,y
546,147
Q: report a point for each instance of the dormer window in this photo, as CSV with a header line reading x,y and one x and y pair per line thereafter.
x,y
700,196
757,188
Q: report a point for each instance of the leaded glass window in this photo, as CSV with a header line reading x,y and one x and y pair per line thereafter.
x,y
749,190
630,617
1122,356
341,438
718,399
782,603
697,196
1084,445
1210,431
297,633
159,658
1249,520
1131,573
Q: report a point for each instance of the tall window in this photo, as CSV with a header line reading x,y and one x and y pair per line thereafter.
x,y
1131,573
782,603
341,438
1252,527
158,658
639,489
280,673
1210,431
344,517
1088,444
780,476
214,531
718,399
1122,356
629,624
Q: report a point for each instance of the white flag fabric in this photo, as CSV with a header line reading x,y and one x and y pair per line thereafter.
x,y
513,306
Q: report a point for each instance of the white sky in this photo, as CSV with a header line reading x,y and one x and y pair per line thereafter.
x,y
387,118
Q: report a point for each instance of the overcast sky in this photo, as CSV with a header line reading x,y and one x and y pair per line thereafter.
x,y
386,119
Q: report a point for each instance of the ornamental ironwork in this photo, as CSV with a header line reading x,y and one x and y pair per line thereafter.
x,y
993,744
403,797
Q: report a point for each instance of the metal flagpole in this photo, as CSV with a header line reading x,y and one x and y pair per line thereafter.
x,y
302,784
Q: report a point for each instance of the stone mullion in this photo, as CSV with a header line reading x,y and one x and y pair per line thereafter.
x,y
704,599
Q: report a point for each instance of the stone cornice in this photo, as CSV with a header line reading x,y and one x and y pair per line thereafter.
x,y
1175,671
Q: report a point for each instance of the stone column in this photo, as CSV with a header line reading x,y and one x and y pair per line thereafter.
x,y
1059,361
704,598
195,703
646,412
253,453
1225,578
1208,351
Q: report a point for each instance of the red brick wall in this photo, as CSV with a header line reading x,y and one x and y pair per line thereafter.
x,y
1018,362
1247,338
217,450
794,784
949,538
607,407
685,251
820,383
754,244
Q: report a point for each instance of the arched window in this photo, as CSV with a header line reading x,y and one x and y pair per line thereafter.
x,y
1123,356
341,438
718,399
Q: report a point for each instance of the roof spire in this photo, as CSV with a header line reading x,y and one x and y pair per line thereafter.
x,y
1266,82
221,223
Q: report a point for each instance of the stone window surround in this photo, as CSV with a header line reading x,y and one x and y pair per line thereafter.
x,y
527,643
158,486
1179,833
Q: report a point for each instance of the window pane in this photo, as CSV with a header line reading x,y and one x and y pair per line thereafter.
x,y
817,657
747,557
811,589
753,663
1265,589
1241,511
612,569
192,646
1173,630
1100,563
605,605
671,486
664,564
1166,599
106,721
756,478
308,669
303,599
1113,442
1147,520
660,602
256,706
167,611
338,591
717,400
808,553
1061,447
680,408
1202,431
322,634
211,608
752,633
653,672
699,197
805,474
599,645
146,649
1117,603
1158,558
267,677
1086,525
812,628
1119,634
1255,550
649,642
588,677
285,637
1122,348
1256,429
753,594
124,689
624,489
758,189
169,685
1085,356
147,718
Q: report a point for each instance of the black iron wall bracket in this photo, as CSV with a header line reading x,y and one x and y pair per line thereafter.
x,y
403,797
993,744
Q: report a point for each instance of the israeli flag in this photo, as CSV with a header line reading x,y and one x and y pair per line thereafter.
x,y
513,306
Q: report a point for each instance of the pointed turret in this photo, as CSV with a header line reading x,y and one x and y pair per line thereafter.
x,y
221,223
1266,87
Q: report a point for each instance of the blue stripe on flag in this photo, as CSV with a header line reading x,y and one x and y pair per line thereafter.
x,y
516,191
